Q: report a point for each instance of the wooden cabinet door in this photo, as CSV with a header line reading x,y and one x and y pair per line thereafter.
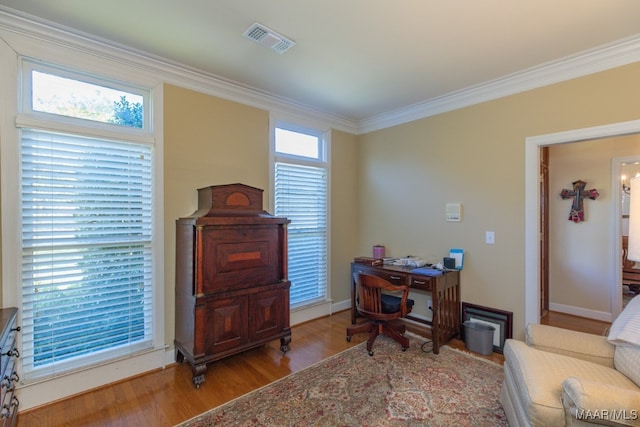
x,y
237,257
267,313
226,323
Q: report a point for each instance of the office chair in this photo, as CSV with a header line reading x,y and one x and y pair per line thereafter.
x,y
380,309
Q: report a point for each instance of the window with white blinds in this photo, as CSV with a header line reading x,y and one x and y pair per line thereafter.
x,y
86,250
301,186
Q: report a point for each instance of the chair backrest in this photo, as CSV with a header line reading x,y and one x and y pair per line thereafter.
x,y
369,296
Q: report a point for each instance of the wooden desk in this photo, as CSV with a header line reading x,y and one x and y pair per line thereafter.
x,y
445,296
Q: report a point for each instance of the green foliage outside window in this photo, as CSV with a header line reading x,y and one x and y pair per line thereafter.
x,y
127,113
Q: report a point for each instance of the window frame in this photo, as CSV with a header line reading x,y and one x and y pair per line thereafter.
x,y
14,115
309,161
26,107
50,121
321,306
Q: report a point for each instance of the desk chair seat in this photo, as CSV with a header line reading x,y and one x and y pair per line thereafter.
x,y
381,309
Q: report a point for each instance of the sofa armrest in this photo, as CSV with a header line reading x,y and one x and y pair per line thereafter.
x,y
593,348
599,403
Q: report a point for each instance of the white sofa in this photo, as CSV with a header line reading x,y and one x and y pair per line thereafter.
x,y
560,377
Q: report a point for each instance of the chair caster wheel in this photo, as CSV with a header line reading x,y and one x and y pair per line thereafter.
x,y
371,353
404,348
348,339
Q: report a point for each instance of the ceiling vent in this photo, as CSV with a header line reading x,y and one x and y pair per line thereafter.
x,y
268,38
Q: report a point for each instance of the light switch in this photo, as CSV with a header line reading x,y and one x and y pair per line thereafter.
x,y
490,237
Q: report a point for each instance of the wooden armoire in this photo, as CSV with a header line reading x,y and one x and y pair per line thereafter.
x,y
232,291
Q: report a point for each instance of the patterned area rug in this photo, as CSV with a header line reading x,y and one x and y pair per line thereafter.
x,y
390,388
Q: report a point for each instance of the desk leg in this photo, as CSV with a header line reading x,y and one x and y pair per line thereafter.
x,y
435,321
353,301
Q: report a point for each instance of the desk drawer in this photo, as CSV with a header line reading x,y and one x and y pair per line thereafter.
x,y
394,277
423,283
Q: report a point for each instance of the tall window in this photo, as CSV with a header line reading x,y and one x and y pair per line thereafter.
x,y
301,186
86,222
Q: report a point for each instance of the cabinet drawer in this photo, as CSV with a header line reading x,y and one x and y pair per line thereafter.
x,y
422,283
8,388
8,377
9,410
8,352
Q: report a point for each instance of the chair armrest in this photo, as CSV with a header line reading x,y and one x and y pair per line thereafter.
x,y
600,403
593,348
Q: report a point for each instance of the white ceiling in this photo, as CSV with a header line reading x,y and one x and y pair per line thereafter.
x,y
356,59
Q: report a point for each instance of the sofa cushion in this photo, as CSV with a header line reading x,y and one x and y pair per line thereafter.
x,y
625,330
599,403
627,361
589,347
539,376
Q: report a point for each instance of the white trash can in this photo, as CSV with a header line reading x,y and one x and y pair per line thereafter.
x,y
478,337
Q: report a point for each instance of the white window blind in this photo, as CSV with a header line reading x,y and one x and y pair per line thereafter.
x,y
301,196
86,251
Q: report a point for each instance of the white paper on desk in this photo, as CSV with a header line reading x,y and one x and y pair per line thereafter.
x,y
458,255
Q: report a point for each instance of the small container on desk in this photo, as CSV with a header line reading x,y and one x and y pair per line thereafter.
x,y
378,251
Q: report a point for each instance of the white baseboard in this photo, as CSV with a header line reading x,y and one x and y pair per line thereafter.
x,y
582,312
318,310
305,314
341,306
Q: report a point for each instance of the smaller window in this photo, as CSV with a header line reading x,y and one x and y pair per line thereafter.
x,y
299,144
53,93
301,185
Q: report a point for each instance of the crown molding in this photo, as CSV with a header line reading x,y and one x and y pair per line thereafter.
x,y
619,53
602,58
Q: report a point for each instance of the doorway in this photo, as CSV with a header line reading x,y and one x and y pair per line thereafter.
x,y
532,211
626,168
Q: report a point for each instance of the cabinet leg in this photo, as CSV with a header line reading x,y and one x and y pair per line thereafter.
x,y
198,374
179,356
284,344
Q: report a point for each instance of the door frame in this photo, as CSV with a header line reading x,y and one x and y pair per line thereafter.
x,y
616,172
544,230
532,207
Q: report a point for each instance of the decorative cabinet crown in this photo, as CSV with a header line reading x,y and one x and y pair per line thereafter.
x,y
230,199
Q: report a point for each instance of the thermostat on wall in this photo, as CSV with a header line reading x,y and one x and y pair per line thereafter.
x,y
453,212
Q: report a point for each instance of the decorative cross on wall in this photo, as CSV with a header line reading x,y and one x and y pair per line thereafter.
x,y
578,194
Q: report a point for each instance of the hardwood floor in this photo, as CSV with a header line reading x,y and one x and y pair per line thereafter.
x,y
167,397
575,323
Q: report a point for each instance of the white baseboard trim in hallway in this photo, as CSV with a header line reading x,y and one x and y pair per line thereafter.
x,y
581,312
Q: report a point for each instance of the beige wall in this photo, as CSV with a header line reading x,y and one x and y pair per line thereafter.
x,y
344,212
211,141
475,156
207,141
